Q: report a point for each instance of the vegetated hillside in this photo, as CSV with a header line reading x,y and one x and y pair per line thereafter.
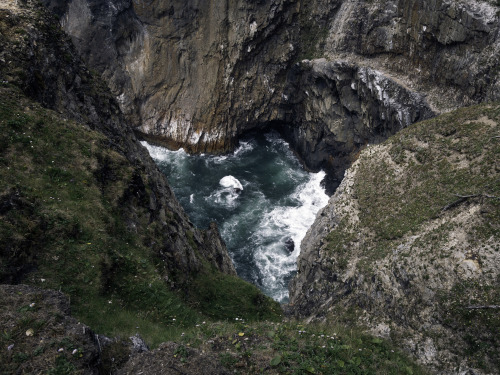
x,y
38,336
83,208
409,245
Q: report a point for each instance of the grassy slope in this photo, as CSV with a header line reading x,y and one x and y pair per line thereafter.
x,y
287,348
409,195
61,226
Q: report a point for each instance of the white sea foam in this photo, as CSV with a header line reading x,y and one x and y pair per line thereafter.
x,y
225,196
243,148
257,226
163,154
230,182
291,222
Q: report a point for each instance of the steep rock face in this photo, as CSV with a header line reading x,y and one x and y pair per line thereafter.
x,y
195,73
448,43
44,64
431,56
338,107
199,74
408,245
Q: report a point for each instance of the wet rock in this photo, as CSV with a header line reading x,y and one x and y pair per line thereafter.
x,y
289,245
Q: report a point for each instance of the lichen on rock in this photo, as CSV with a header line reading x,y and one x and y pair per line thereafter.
x,y
408,245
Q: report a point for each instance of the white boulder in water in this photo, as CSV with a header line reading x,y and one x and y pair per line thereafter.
x,y
231,182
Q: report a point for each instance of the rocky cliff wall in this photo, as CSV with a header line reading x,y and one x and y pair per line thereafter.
x,y
373,67
198,74
195,73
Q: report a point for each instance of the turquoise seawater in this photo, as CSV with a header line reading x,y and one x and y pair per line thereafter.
x,y
261,198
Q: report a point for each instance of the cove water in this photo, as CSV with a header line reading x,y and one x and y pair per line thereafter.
x,y
260,197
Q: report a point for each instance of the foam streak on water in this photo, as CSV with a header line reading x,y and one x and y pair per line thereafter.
x,y
261,198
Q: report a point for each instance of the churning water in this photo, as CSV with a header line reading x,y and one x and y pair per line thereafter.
x,y
261,198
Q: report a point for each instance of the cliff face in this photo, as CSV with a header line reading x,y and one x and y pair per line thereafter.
x,y
199,74
408,245
191,72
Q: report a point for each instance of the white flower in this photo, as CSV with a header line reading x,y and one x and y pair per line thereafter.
x,y
74,351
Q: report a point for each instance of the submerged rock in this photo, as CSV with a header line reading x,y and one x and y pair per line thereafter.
x,y
289,245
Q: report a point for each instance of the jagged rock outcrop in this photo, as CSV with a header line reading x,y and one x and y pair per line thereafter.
x,y
342,106
199,74
408,245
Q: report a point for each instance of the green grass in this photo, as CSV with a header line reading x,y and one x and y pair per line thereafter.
x,y
32,327
294,348
61,222
450,155
225,297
